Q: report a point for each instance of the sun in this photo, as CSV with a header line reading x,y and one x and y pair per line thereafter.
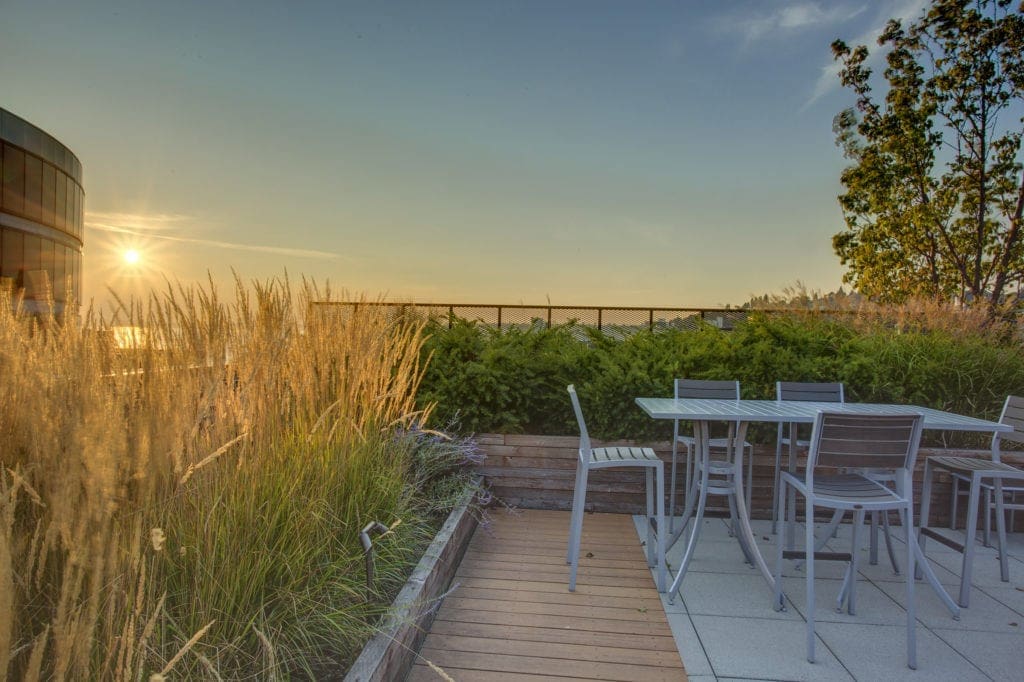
x,y
131,257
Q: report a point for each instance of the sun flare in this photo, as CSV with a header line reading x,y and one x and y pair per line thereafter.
x,y
131,257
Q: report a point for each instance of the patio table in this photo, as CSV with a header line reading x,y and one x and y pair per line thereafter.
x,y
739,414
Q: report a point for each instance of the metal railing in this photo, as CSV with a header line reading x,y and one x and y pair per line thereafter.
x,y
615,320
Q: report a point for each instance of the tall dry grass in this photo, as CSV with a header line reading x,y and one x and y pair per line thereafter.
x,y
912,315
191,502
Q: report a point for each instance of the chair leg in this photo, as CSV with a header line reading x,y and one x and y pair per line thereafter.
x,y
790,539
778,600
661,539
1004,567
954,503
907,516
578,492
809,577
926,501
888,543
972,526
873,542
577,528
776,516
986,524
672,479
649,487
858,522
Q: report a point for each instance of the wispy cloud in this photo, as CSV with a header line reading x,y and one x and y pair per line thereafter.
x,y
783,20
828,80
156,226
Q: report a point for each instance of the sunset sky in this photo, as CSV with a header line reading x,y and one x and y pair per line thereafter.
x,y
608,153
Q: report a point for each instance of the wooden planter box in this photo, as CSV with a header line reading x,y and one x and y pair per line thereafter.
x,y
538,472
389,655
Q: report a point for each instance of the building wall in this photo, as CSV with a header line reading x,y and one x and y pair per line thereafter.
x,y
41,199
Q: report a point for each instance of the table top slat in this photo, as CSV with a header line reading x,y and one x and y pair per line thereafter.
x,y
802,412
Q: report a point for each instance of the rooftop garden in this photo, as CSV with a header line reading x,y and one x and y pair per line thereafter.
x,y
169,513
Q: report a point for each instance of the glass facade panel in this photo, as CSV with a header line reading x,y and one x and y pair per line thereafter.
x,y
78,211
61,202
60,256
13,254
14,180
33,246
33,187
46,258
49,192
69,213
76,279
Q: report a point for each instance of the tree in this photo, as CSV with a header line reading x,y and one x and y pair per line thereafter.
x,y
934,196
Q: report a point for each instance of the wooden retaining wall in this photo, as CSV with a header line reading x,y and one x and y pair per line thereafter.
x,y
538,472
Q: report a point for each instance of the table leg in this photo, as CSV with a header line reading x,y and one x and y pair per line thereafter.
x,y
688,504
702,456
746,535
921,566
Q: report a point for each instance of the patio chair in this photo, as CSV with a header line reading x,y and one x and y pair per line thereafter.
x,y
697,388
787,433
617,457
854,442
988,476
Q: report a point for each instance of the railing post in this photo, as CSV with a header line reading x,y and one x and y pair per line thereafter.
x,y
650,324
599,319
499,318
549,317
451,315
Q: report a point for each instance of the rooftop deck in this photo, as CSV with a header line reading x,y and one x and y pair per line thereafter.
x,y
726,628
511,616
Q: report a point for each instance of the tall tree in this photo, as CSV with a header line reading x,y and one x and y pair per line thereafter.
x,y
934,197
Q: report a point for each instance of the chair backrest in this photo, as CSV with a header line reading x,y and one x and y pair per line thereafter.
x,y
810,391
700,388
1013,415
584,436
852,441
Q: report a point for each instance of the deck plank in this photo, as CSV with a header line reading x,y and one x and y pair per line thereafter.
x,y
510,615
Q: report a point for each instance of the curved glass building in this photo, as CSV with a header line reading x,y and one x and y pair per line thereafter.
x,y
40,216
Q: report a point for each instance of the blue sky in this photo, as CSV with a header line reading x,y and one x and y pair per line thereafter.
x,y
605,153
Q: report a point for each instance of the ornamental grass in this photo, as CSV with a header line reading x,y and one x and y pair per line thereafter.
x,y
183,483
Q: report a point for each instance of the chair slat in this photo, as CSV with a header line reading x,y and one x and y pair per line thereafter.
x,y
875,441
707,389
810,392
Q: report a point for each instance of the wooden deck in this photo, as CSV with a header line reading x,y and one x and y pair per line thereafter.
x,y
511,616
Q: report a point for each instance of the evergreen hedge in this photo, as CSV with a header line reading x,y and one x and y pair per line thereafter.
x,y
513,381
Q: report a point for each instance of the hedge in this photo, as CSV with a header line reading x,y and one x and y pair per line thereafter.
x,y
513,381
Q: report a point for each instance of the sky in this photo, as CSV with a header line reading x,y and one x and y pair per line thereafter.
x,y
673,153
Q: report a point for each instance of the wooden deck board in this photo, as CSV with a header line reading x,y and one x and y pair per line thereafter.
x,y
511,616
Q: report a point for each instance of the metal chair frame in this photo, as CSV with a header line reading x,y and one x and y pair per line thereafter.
x,y
617,457
804,391
711,389
876,442
979,473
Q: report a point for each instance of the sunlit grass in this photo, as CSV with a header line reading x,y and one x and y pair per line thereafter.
x,y
185,499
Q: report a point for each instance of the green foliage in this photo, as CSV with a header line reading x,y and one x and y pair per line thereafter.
x,y
290,524
933,197
485,380
970,373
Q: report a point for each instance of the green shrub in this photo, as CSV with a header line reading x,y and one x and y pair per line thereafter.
x,y
514,382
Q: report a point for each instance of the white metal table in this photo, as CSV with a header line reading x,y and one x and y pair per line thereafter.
x,y
741,412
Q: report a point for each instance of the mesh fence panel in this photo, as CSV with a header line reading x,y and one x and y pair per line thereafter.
x,y
616,322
